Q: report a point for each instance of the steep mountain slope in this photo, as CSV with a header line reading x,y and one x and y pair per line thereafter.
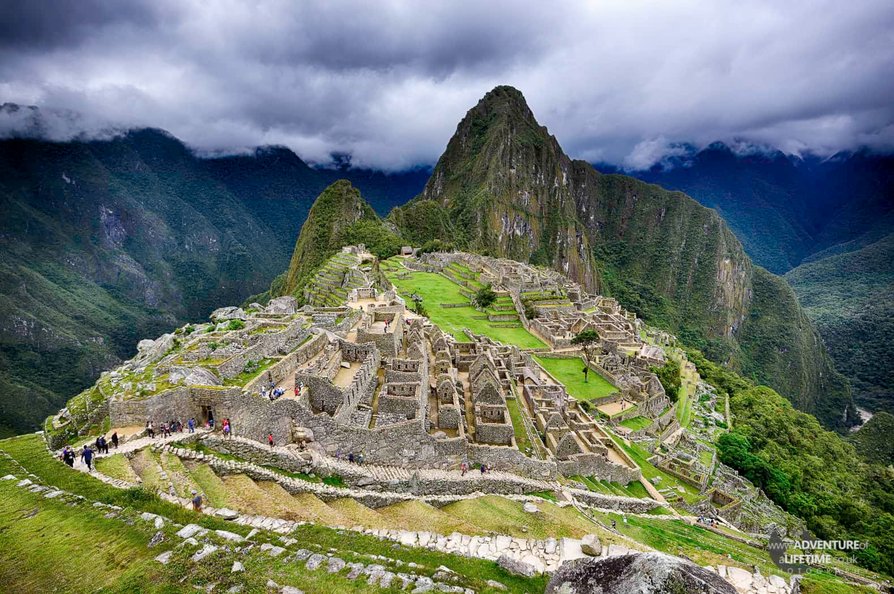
x,y
339,216
785,209
790,214
850,296
103,243
504,186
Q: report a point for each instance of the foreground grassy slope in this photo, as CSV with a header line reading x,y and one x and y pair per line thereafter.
x,y
44,537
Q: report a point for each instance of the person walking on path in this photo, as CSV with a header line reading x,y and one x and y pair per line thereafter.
x,y
68,456
226,428
270,440
464,468
191,424
87,457
149,430
115,439
196,501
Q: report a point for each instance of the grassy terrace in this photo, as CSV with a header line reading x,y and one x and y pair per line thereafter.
x,y
636,423
569,372
436,289
518,425
50,550
690,494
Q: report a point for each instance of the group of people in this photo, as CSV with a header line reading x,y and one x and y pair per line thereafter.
x,y
176,426
707,521
88,452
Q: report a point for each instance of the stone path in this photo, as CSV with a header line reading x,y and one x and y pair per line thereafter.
x,y
132,446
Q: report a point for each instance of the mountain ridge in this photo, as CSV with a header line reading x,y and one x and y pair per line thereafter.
x,y
504,187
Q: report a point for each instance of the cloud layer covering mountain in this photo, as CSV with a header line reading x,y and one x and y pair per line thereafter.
x,y
386,82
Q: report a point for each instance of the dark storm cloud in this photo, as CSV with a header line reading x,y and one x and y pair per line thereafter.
x,y
387,81
47,24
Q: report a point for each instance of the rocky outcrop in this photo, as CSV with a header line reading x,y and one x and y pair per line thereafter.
x,y
643,573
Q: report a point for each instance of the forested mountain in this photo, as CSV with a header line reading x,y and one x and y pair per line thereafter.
x,y
106,242
504,187
827,225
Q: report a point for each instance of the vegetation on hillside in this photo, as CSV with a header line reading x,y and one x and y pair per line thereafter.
x,y
850,296
339,217
875,440
670,378
809,471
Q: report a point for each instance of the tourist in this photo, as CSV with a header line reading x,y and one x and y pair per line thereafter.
x,y
68,456
351,457
87,457
483,468
115,439
191,424
464,468
614,524
270,440
101,446
226,428
196,501
360,458
297,391
149,430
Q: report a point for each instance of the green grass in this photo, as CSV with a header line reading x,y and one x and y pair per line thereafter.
x,y
518,425
436,289
634,489
116,466
815,582
49,547
641,457
684,406
680,538
569,372
636,423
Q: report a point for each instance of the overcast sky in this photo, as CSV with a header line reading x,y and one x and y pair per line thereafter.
x,y
388,81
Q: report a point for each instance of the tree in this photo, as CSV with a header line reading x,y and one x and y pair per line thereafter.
x,y
588,341
485,297
669,376
417,301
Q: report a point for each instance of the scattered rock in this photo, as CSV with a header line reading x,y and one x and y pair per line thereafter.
x,y
591,545
156,539
642,573
315,561
530,508
206,550
291,590
237,567
227,514
335,565
193,376
191,530
164,557
227,535
495,585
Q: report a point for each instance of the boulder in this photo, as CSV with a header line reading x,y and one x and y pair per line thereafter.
x,y
591,545
639,573
528,566
285,305
150,351
193,376
530,508
228,313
